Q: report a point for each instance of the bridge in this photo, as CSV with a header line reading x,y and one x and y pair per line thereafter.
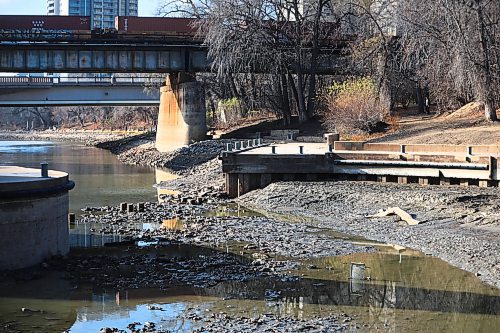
x,y
113,90
182,113
99,57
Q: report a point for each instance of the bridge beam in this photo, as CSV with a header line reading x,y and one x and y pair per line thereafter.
x,y
182,114
100,58
77,95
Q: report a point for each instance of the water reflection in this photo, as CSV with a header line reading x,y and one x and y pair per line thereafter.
x,y
162,175
173,224
455,303
89,235
230,210
117,310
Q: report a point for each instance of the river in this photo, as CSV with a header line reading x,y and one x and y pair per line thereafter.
x,y
413,293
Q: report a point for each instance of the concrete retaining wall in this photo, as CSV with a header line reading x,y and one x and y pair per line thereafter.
x,y
254,168
417,148
32,230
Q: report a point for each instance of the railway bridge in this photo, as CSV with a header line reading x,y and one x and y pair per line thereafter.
x,y
181,117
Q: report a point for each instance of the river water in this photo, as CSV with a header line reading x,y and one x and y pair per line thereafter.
x,y
413,293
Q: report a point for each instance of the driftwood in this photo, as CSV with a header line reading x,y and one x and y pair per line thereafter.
x,y
399,212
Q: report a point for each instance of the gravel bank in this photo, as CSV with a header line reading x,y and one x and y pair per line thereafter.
x,y
198,163
272,323
200,224
89,138
460,224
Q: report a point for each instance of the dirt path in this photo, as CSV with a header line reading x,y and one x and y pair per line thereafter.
x,y
461,127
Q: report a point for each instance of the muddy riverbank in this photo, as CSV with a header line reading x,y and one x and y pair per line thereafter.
x,y
220,251
293,258
282,274
460,225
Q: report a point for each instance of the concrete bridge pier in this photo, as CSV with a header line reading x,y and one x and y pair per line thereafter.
x,y
182,114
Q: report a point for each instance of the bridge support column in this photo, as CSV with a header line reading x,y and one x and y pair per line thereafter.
x,y
182,114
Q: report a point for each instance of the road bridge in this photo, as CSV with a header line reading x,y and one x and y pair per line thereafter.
x,y
18,91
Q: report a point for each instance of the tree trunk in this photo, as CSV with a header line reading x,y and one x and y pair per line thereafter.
x,y
303,117
489,111
383,86
420,98
285,102
485,70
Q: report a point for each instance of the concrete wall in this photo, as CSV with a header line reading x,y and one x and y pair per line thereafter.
x,y
182,115
246,170
32,230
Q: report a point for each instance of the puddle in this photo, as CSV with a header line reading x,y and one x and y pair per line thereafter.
x,y
89,234
162,175
231,210
403,291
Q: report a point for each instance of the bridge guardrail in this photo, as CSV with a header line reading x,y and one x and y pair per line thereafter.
x,y
71,81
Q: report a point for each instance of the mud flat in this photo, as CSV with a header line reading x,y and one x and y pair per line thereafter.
x,y
460,225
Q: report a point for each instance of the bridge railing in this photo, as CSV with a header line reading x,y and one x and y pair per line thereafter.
x,y
73,80
9,80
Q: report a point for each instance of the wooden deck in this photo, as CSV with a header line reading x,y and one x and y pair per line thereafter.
x,y
250,165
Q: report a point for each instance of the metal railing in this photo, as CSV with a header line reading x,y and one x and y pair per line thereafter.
x,y
74,80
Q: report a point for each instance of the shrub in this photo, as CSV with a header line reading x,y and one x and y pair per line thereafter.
x,y
353,107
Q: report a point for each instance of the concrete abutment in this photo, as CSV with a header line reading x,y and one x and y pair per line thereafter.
x,y
182,113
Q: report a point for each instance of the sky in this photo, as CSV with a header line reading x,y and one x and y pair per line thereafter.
x,y
39,7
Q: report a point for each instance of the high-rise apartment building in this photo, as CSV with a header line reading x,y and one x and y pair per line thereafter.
x,y
102,12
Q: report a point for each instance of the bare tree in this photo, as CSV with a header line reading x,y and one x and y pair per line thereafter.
x,y
278,38
454,46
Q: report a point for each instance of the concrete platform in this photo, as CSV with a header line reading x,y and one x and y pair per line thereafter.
x,y
250,165
14,178
289,149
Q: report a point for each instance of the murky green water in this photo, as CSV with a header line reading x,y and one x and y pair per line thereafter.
x,y
407,293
